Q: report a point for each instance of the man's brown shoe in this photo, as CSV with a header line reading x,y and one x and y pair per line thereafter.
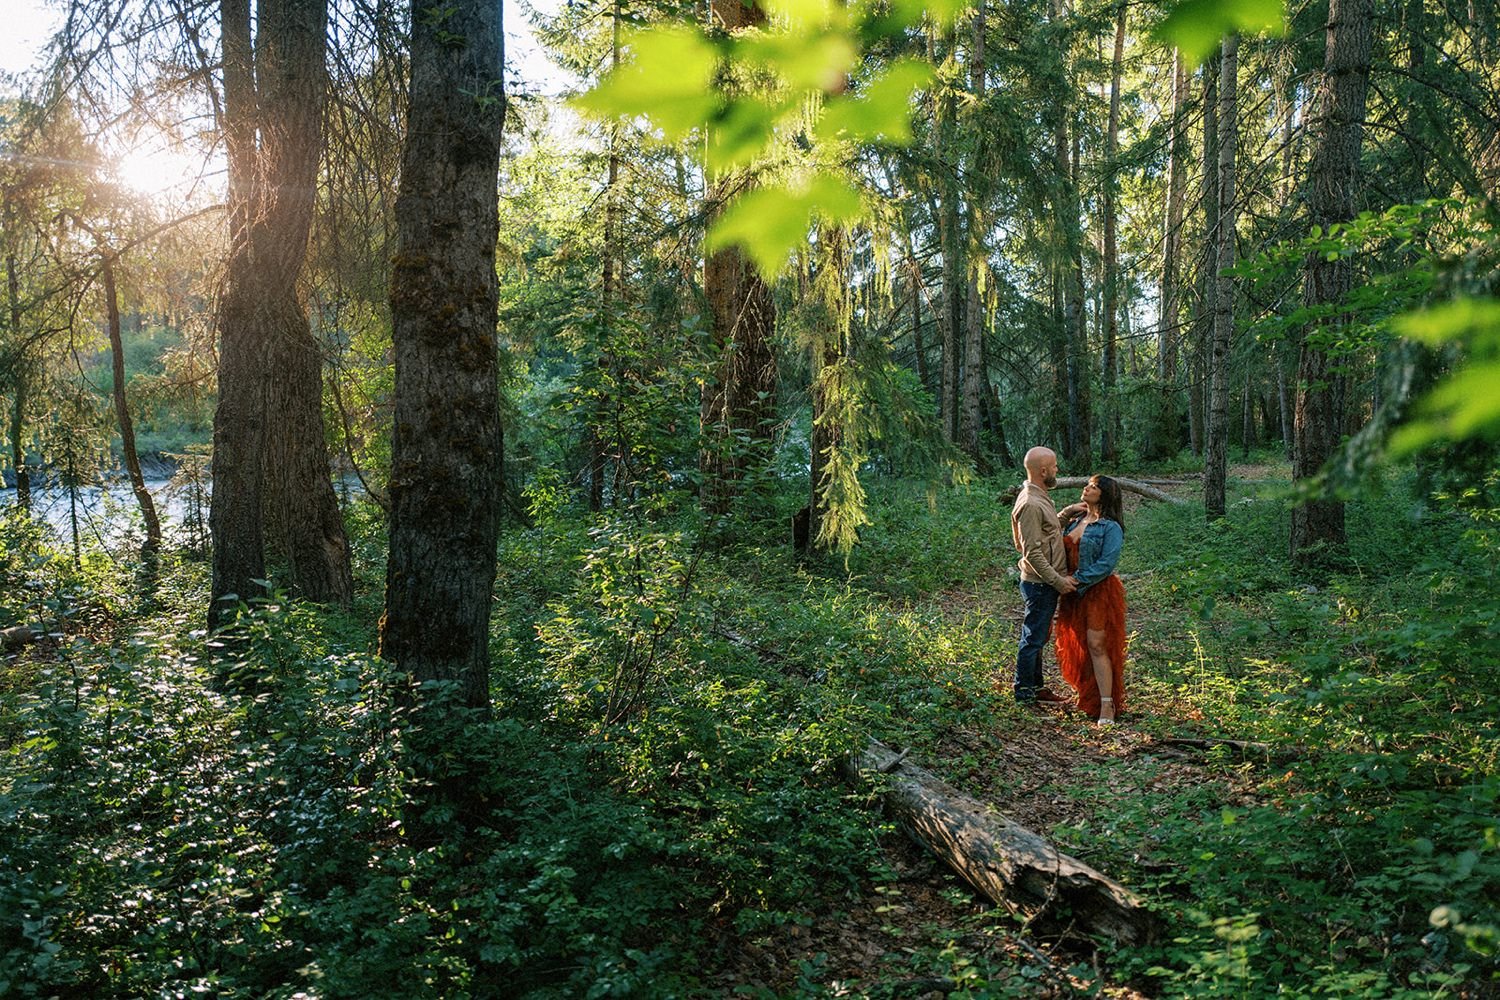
x,y
1047,696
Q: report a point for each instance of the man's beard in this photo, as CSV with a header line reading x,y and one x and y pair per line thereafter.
x,y
1051,482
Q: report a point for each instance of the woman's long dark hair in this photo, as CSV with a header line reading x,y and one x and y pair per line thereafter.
x,y
1111,500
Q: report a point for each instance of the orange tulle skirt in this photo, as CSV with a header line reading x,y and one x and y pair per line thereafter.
x,y
1102,608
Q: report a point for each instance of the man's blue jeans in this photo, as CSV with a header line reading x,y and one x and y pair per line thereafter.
x,y
1036,627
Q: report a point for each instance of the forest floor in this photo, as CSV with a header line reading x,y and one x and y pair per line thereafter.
x,y
1040,770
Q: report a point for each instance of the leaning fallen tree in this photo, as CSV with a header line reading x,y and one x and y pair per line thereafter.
x,y
1007,863
1135,486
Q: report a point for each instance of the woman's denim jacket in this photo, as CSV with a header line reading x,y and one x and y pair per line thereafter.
x,y
1098,551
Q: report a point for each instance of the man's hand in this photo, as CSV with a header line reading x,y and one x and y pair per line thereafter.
x,y
1067,586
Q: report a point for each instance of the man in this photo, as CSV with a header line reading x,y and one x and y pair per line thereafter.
x,y
1044,571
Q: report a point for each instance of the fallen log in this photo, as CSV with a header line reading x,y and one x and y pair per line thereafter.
x,y
1128,485
1007,863
16,637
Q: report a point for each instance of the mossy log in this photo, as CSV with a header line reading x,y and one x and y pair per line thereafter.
x,y
1007,863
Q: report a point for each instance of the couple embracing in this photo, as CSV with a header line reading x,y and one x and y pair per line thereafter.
x,y
1068,560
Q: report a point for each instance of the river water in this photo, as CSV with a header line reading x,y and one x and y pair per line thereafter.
x,y
107,515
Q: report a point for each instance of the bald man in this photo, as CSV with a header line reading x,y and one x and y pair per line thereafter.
x,y
1037,534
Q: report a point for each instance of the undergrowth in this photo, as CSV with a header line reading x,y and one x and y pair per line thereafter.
x,y
660,771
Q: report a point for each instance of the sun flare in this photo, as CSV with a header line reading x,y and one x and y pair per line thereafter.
x,y
162,170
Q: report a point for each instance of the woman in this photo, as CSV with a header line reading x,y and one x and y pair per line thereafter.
x,y
1091,621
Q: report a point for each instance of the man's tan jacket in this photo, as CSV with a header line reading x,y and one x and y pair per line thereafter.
x,y
1038,537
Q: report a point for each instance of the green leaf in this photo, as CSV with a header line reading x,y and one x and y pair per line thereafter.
x,y
668,79
1195,27
802,15
882,111
741,133
1452,321
769,222
942,12
805,62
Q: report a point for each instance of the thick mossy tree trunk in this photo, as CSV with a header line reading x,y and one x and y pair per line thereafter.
x,y
1334,177
272,488
445,482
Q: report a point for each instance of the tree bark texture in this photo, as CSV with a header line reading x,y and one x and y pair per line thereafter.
x,y
271,474
234,518
445,477
1207,285
737,405
1078,445
974,377
1334,177
1216,440
1110,322
950,237
1009,864
1172,237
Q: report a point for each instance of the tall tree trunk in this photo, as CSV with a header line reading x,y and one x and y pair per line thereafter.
x,y
1334,179
1216,443
829,348
1247,420
1080,404
1076,445
974,375
152,546
609,279
1168,336
234,518
21,381
950,237
270,467
304,525
1283,399
918,343
1110,440
445,485
738,403
1286,90
1208,285
1057,357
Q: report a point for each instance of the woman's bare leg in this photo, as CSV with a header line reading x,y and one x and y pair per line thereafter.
x,y
1103,674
